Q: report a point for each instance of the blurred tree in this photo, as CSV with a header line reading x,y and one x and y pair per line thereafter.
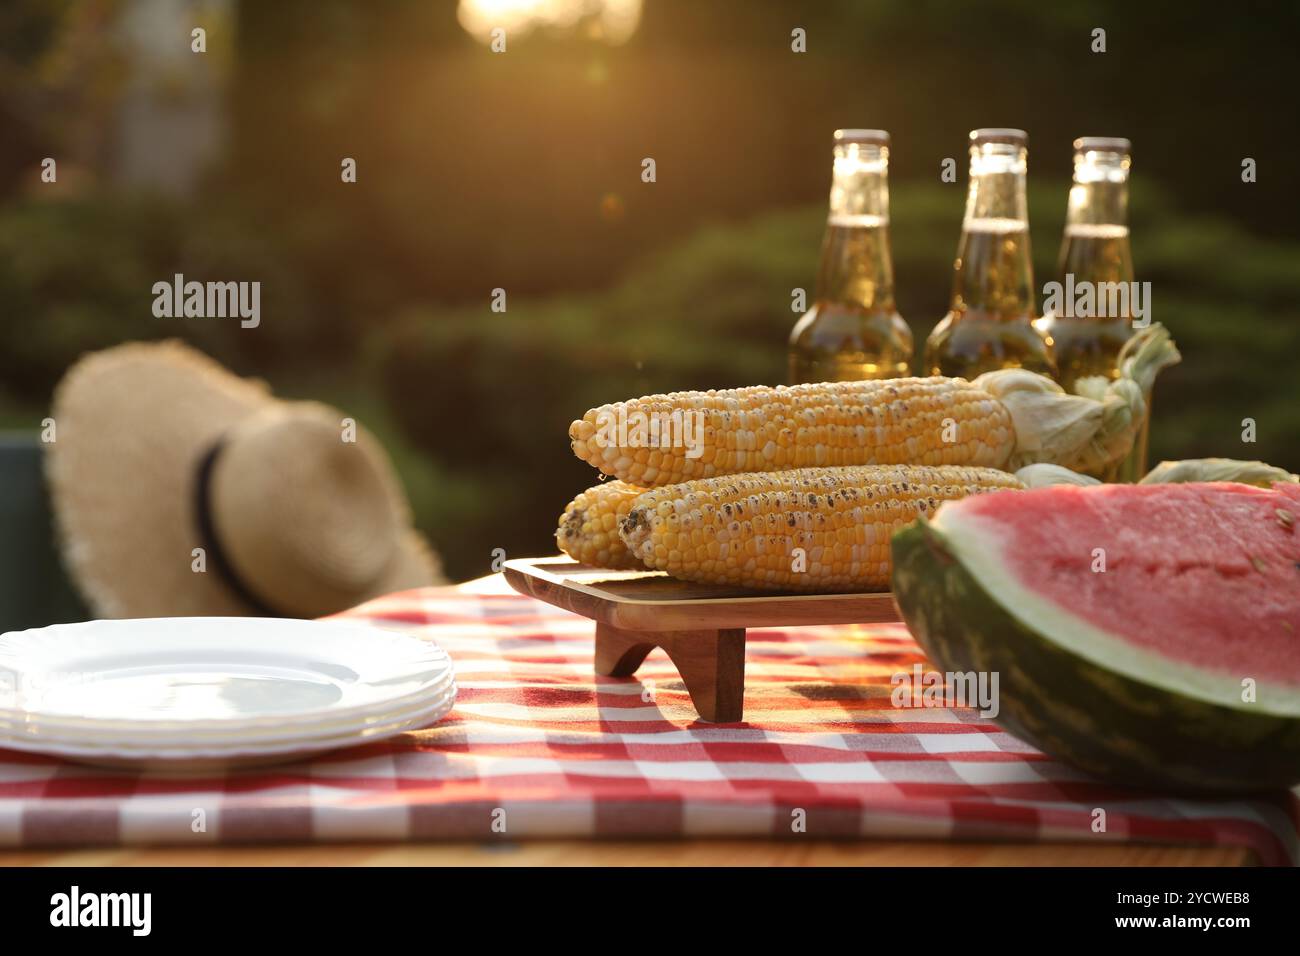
x,y
522,171
59,73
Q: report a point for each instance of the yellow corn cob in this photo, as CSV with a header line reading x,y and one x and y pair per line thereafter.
x,y
1004,419
921,421
588,530
743,530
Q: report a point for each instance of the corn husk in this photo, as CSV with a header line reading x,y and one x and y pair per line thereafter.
x,y
1217,469
1042,475
1093,428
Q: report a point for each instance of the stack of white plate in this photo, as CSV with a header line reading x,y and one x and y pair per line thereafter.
x,y
195,693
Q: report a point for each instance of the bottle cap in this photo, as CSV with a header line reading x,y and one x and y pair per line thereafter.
x,y
998,134
1102,144
877,137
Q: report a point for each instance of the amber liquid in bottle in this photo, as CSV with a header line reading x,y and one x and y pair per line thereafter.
x,y
1086,346
1094,250
990,323
853,330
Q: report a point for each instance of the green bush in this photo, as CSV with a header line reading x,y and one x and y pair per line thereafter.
x,y
78,275
489,395
474,405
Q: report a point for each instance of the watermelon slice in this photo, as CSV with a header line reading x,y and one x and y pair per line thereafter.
x,y
1149,634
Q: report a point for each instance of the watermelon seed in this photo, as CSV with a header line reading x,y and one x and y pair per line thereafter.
x,y
1258,563
1285,518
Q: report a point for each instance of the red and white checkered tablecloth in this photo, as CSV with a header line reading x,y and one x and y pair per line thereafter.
x,y
539,747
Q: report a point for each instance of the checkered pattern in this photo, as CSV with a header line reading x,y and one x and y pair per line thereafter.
x,y
538,747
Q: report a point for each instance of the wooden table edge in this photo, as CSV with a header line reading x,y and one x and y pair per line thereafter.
x,y
730,852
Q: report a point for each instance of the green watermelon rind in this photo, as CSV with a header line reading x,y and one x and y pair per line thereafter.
x,y
1117,726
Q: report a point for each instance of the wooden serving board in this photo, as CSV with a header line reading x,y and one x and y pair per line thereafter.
x,y
700,627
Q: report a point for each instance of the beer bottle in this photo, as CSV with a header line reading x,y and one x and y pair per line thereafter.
x,y
853,330
1094,252
990,323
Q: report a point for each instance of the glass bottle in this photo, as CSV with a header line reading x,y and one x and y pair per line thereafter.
x,y
990,323
853,330
1094,250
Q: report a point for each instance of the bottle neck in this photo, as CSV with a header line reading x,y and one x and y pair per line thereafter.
x,y
1095,247
994,274
857,268
1099,195
997,183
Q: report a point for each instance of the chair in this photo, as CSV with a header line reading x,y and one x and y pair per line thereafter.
x,y
34,588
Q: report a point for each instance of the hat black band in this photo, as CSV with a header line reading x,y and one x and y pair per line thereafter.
x,y
216,555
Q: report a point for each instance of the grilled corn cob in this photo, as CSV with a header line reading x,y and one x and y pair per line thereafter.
x,y
588,529
811,529
899,421
1004,419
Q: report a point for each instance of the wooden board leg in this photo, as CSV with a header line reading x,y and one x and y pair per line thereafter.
x,y
619,653
711,662
712,665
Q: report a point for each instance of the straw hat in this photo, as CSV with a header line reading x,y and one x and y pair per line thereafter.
x,y
160,451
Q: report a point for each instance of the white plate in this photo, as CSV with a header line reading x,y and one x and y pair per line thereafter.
x,y
206,758
417,716
34,727
206,674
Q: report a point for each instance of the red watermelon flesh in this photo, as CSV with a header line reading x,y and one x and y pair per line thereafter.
x,y
1207,575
